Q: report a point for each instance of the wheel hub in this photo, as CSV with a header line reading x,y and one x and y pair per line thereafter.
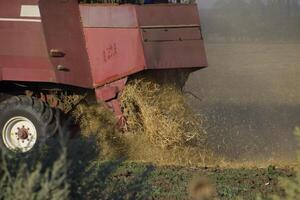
x,y
23,133
19,134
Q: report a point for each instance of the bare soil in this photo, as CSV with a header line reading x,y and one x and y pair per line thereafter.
x,y
250,97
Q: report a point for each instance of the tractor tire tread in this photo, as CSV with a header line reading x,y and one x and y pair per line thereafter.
x,y
45,112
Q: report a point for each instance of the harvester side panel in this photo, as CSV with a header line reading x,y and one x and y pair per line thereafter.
x,y
167,15
172,36
64,34
108,16
23,52
125,39
113,41
173,54
113,53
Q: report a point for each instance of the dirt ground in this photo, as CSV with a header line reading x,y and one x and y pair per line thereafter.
x,y
250,97
128,180
123,179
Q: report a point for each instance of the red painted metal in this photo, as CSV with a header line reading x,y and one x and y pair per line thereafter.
x,y
111,16
63,31
116,107
110,91
12,8
171,34
168,15
122,40
110,94
113,53
173,54
23,52
94,46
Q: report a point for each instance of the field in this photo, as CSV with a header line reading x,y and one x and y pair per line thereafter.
x,y
89,178
145,181
251,101
249,97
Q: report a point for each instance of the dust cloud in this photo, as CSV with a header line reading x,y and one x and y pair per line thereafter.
x,y
250,93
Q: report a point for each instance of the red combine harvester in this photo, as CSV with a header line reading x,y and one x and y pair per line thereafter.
x,y
56,53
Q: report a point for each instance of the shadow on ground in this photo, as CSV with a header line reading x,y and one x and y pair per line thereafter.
x,y
92,178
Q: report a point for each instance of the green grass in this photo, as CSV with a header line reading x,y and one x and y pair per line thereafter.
x,y
129,180
83,176
22,178
290,186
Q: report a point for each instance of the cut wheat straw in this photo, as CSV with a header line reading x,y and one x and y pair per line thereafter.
x,y
160,112
160,126
96,121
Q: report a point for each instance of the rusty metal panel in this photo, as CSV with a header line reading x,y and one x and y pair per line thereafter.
x,y
175,54
167,15
114,53
64,33
171,34
104,15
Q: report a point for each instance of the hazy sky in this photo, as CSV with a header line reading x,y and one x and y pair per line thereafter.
x,y
205,3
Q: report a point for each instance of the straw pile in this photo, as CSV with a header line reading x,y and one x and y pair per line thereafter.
x,y
160,127
159,111
97,122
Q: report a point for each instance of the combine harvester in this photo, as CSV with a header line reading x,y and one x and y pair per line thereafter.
x,y
57,53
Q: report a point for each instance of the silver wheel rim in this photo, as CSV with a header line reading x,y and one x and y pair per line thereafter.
x,y
19,134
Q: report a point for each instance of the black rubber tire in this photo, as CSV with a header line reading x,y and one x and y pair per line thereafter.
x,y
44,118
